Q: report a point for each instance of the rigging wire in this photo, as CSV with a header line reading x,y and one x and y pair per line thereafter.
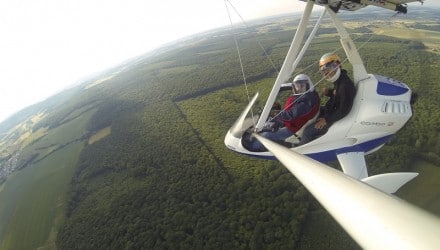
x,y
321,79
271,62
370,37
238,52
336,50
254,36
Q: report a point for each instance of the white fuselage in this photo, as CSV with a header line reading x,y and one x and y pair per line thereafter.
x,y
381,107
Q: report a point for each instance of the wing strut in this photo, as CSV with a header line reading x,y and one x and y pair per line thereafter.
x,y
287,68
374,219
359,71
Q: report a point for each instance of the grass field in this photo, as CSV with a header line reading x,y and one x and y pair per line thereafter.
x,y
431,39
33,200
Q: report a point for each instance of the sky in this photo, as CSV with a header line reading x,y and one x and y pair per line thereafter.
x,y
49,45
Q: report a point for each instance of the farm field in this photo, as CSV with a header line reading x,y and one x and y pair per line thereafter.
x,y
33,200
431,39
36,201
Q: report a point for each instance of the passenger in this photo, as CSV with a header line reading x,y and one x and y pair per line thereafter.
x,y
340,97
299,108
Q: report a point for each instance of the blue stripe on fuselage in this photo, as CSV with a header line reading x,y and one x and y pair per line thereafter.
x,y
327,156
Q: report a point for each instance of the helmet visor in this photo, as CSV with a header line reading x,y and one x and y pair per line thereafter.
x,y
300,86
301,82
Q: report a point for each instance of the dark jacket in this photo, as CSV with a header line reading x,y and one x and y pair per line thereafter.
x,y
341,100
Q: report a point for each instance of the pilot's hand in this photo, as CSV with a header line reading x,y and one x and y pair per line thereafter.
x,y
271,126
274,113
276,106
327,92
320,123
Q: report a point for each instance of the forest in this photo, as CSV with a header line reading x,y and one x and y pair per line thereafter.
x,y
163,178
170,182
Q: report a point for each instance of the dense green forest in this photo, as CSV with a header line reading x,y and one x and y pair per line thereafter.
x,y
170,181
164,179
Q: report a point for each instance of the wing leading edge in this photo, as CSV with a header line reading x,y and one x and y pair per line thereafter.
x,y
372,218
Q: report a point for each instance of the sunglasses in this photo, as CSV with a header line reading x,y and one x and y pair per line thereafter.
x,y
328,67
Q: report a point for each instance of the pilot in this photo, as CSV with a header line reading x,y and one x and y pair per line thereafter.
x,y
340,97
301,106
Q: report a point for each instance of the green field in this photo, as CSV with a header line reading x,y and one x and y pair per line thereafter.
x,y
431,39
33,201
36,201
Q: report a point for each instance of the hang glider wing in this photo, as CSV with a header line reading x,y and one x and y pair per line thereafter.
x,y
352,5
374,219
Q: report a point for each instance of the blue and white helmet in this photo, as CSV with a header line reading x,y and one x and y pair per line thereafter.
x,y
303,78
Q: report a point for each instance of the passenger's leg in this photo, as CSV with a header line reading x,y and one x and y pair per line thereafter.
x,y
310,133
278,136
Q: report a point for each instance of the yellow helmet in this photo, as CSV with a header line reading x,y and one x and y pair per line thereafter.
x,y
328,57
